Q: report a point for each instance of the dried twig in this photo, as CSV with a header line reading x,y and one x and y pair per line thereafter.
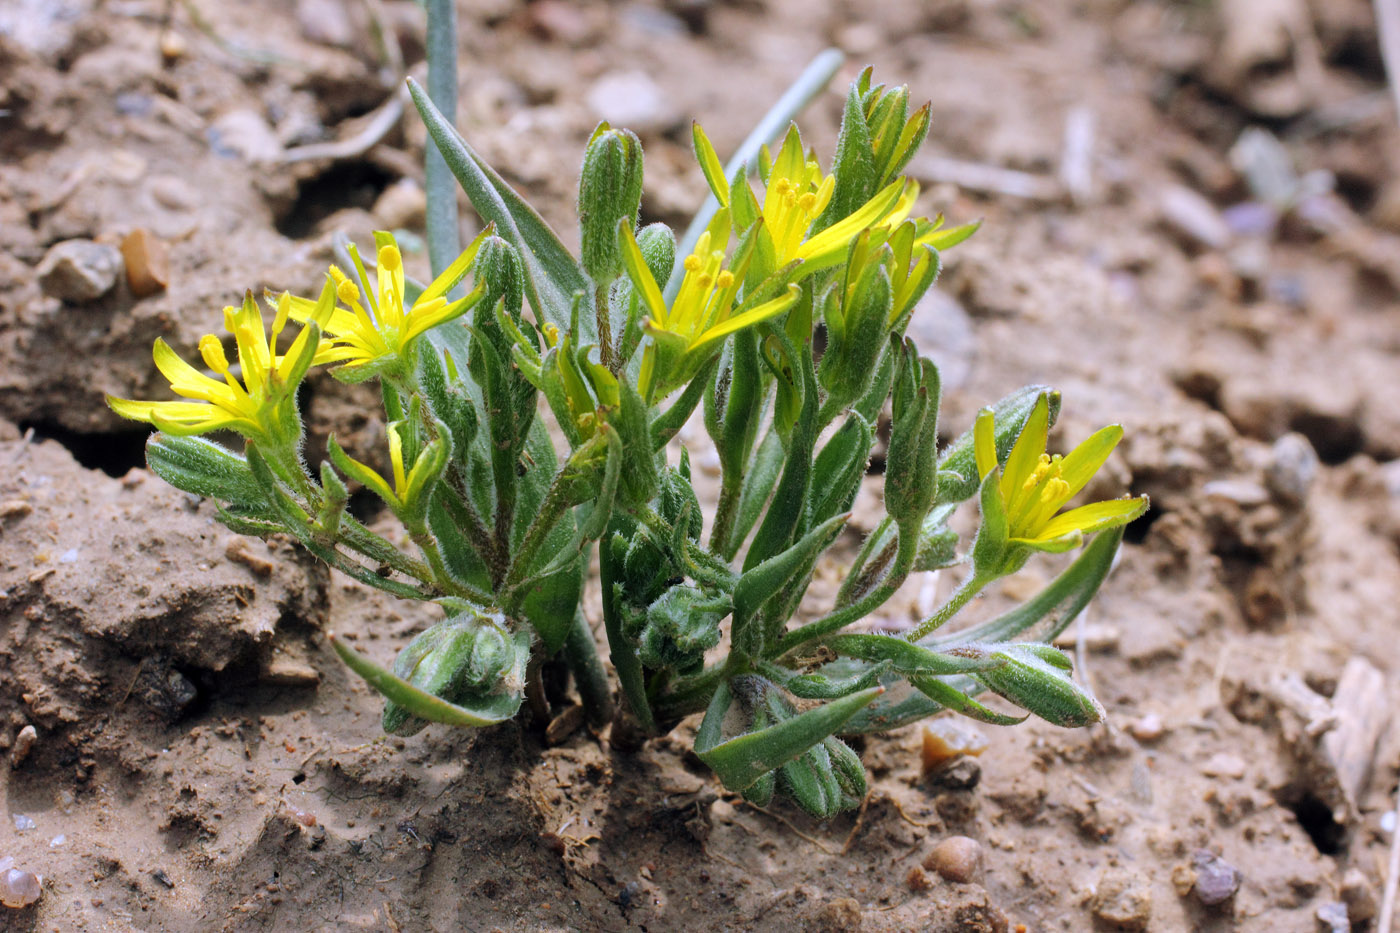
x,y
990,179
1392,874
1388,31
380,123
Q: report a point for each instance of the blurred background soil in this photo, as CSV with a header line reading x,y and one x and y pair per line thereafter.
x,y
1192,226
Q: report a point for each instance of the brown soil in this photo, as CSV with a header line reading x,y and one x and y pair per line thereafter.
x,y
202,762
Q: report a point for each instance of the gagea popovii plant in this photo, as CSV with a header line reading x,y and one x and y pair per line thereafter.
x,y
532,396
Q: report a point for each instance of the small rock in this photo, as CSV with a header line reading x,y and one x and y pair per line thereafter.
x,y
958,773
147,263
79,270
840,915
1224,765
917,880
631,100
1359,895
1147,728
1216,879
1194,217
403,205
18,888
325,22
24,823
244,134
956,858
1239,491
24,744
1293,466
173,193
947,738
1099,637
1122,898
1332,918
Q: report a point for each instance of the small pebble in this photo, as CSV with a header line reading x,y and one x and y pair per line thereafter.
x,y
956,858
1239,491
57,841
69,556
917,880
1224,765
1293,466
947,738
1122,898
24,744
24,824
631,100
1332,918
1216,879
147,263
1147,728
960,773
18,888
79,270
1194,217
1359,895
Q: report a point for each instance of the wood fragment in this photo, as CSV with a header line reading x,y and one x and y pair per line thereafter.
x,y
988,179
1362,713
379,123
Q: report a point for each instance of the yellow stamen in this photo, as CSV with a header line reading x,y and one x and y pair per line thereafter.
x,y
213,352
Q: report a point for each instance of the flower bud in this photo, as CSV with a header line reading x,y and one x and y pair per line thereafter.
x,y
856,322
911,473
462,660
1036,678
609,190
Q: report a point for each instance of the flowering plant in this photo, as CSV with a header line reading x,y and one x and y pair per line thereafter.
x,y
529,419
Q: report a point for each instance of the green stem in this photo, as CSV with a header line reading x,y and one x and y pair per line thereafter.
x,y
581,654
874,599
730,487
444,239
606,354
970,588
551,509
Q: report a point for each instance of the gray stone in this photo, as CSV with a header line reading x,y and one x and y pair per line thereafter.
x,y
1216,879
1192,216
1123,899
631,100
1293,466
80,270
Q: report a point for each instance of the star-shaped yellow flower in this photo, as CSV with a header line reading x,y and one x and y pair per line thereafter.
x,y
261,405
684,335
1034,486
367,341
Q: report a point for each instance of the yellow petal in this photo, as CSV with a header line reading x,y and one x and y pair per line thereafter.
x,y
453,274
984,444
640,275
710,165
1080,464
1094,517
748,318
1025,454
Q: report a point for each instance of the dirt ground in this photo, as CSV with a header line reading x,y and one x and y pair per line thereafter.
x,y
198,759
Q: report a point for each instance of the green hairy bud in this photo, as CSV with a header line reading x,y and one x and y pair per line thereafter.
x,y
610,189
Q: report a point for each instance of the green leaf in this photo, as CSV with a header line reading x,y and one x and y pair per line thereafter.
x,y
420,702
553,275
205,468
766,580
744,759
1041,684
910,658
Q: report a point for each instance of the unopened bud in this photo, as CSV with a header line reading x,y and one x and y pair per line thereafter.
x,y
610,189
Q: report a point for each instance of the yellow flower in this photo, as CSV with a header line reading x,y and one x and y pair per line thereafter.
x,y
367,341
261,405
702,314
796,194
406,493
1034,486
